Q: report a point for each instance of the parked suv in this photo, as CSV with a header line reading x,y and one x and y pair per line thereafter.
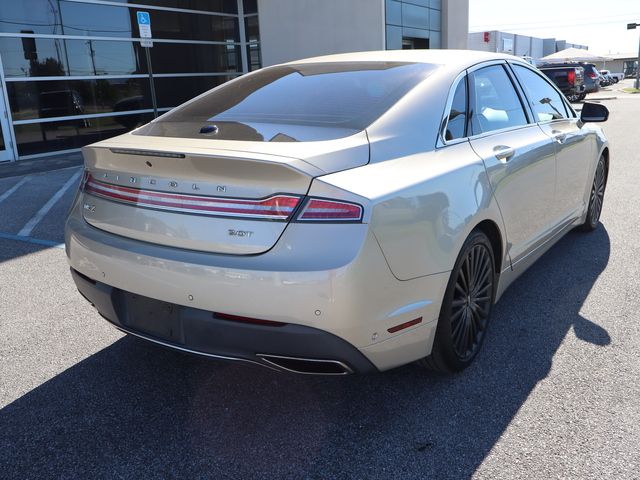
x,y
591,77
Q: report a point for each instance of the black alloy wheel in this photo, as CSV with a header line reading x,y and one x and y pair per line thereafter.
x,y
465,311
596,197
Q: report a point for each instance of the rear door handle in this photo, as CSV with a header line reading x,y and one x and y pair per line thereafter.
x,y
559,136
503,152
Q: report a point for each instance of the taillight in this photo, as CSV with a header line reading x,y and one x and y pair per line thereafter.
x,y
277,207
571,77
323,210
592,75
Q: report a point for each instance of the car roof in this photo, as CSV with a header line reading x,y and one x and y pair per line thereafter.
x,y
451,58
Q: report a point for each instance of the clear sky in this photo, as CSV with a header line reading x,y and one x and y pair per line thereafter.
x,y
600,24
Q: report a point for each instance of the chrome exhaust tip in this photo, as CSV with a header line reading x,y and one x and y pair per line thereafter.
x,y
306,366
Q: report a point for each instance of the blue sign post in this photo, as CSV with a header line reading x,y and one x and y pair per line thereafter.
x,y
144,26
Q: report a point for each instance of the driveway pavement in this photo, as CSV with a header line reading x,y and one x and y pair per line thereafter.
x,y
554,393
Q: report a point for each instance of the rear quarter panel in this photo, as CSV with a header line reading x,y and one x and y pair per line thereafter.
x,y
423,206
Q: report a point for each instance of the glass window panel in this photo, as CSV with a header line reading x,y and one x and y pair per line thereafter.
x,y
59,98
393,12
196,58
30,16
52,136
41,57
394,37
434,39
251,29
254,56
95,57
111,21
55,57
414,16
434,20
220,6
422,3
545,101
457,118
250,6
173,91
496,104
286,99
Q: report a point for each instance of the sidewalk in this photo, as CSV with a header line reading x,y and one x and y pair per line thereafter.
x,y
46,164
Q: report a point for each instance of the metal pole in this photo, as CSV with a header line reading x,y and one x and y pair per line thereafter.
x,y
151,84
638,66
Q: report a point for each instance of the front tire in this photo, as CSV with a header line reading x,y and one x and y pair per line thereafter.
x,y
596,197
466,307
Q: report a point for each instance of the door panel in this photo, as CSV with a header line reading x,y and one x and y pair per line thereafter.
x,y
574,163
573,150
523,183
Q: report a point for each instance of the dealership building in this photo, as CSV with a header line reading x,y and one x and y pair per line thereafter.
x,y
73,72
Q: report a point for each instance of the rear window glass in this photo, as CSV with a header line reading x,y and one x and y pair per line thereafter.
x,y
295,102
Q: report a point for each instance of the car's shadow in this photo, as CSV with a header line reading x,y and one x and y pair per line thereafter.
x,y
134,410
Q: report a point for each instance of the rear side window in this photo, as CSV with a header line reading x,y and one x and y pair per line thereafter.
x,y
290,102
494,102
546,102
457,118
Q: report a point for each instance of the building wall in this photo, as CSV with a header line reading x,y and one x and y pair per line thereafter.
x,y
294,29
455,24
476,41
548,46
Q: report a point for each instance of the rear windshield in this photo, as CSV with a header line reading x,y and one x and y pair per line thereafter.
x,y
294,102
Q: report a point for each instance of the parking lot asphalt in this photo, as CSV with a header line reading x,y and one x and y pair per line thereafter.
x,y
554,393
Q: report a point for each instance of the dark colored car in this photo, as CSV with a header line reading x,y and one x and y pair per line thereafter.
x,y
568,78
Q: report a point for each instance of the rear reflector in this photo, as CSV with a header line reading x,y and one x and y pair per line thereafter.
x,y
255,321
278,207
317,209
404,325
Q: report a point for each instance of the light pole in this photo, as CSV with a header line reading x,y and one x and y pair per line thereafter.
x,y
632,26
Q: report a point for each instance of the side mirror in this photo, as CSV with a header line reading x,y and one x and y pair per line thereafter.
x,y
594,112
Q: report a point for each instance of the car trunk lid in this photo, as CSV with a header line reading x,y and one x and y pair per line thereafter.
x,y
215,196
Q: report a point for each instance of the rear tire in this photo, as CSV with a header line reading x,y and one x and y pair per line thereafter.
x,y
596,197
582,96
466,307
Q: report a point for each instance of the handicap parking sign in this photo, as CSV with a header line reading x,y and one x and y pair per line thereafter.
x,y
143,18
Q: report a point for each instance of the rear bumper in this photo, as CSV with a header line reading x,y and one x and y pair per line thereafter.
x,y
333,287
283,347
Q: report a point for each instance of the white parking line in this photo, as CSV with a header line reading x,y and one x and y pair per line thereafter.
x,y
31,224
8,193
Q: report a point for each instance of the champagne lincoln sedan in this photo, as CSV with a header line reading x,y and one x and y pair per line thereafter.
x,y
341,214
